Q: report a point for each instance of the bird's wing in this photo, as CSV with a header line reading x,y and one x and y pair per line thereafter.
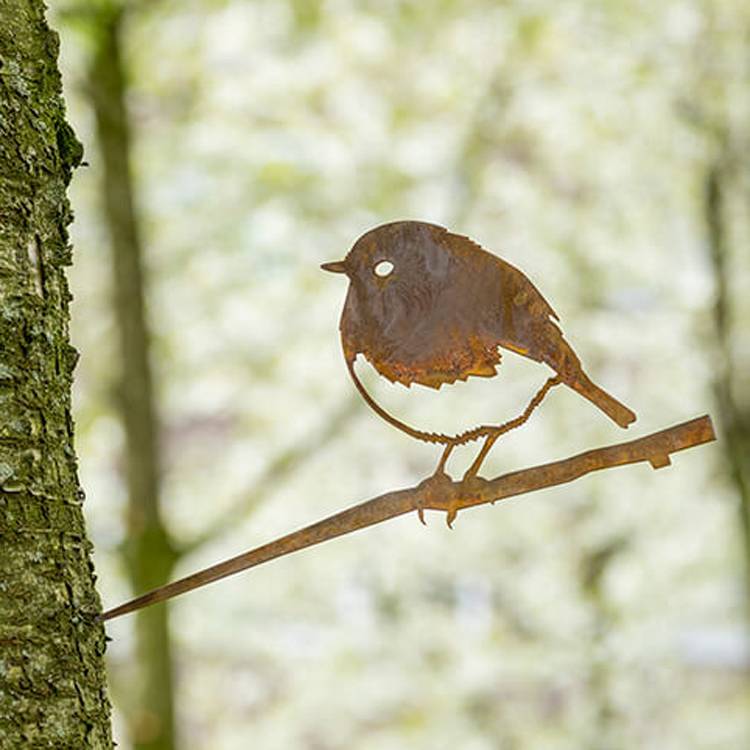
x,y
511,311
516,286
520,288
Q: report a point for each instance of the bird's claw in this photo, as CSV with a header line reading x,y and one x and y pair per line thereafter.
x,y
451,513
471,485
433,483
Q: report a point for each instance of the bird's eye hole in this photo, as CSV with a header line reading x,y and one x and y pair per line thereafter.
x,y
383,269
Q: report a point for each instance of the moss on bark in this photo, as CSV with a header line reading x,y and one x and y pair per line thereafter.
x,y
52,679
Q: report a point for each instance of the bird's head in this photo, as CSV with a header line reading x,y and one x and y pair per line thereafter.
x,y
398,259
409,308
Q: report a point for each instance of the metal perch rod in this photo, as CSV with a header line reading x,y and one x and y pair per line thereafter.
x,y
445,495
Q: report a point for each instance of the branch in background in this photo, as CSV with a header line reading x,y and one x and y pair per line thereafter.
x,y
445,495
283,465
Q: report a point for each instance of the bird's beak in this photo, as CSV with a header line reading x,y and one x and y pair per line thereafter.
x,y
338,266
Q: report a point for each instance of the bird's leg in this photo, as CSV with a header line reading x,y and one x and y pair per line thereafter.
x,y
491,435
496,432
443,459
471,472
437,476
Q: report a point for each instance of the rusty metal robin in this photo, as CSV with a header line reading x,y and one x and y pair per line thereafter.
x,y
432,307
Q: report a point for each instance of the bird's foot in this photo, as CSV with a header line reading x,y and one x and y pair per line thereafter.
x,y
470,474
452,512
435,483
470,488
461,495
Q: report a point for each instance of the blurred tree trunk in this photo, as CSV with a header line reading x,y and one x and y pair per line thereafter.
x,y
149,553
734,415
52,678
594,565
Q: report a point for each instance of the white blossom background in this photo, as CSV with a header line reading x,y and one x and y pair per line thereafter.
x,y
267,137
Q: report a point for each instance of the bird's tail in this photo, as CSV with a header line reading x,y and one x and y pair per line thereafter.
x,y
616,411
552,348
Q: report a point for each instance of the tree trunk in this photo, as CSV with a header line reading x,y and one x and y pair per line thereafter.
x,y
149,552
733,413
52,679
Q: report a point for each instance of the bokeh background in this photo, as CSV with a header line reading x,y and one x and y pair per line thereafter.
x,y
232,147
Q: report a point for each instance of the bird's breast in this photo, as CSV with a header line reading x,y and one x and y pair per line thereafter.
x,y
427,333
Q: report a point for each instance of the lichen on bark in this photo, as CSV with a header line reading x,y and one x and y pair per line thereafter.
x,y
52,679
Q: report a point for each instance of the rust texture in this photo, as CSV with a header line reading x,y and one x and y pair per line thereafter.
x,y
432,307
441,494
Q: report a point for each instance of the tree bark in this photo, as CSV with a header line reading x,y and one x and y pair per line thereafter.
x,y
149,553
52,678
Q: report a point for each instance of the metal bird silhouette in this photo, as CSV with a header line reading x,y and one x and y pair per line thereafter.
x,y
429,306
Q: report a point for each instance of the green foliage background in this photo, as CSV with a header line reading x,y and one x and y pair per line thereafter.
x,y
575,139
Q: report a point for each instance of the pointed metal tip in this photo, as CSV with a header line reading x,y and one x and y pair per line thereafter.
x,y
337,266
